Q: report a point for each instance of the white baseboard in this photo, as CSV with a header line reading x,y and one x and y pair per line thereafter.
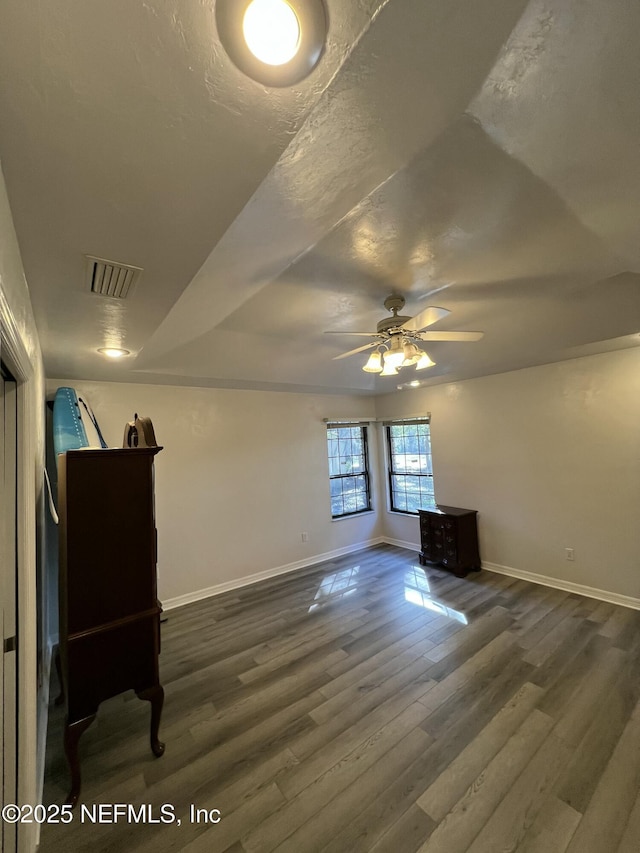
x,y
566,586
400,543
227,586
545,580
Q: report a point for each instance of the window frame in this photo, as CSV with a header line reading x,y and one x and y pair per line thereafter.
x,y
391,472
366,472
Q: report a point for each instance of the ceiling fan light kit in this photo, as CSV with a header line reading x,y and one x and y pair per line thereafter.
x,y
396,358
396,339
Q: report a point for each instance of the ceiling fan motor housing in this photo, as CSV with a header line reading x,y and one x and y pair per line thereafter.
x,y
391,323
394,304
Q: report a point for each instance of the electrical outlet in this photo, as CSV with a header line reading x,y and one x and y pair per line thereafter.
x,y
304,536
569,553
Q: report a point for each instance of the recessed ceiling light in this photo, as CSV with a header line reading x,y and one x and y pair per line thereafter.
x,y
275,42
113,352
271,31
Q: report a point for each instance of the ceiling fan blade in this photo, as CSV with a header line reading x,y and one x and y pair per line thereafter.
x,y
425,318
451,336
360,334
354,351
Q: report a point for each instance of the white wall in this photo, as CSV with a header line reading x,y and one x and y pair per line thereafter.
x,y
550,457
21,352
547,455
241,476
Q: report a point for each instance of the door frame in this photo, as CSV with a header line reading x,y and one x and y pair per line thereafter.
x,y
29,477
9,628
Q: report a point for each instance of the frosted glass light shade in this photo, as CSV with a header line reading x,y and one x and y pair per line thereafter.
x,y
411,355
395,356
389,369
272,31
425,361
374,365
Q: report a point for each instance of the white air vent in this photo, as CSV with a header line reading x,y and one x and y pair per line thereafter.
x,y
108,278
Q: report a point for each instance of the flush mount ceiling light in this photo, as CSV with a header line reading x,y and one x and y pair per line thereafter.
x,y
275,42
271,30
114,352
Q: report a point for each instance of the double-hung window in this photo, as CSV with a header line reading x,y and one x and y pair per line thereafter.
x,y
348,469
410,468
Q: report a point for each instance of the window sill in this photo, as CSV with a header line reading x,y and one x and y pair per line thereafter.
x,y
354,515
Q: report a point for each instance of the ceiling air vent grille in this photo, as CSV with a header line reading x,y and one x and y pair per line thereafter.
x,y
108,278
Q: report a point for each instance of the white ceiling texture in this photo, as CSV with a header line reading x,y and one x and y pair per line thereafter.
x,y
479,156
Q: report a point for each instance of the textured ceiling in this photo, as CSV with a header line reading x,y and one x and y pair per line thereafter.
x,y
482,157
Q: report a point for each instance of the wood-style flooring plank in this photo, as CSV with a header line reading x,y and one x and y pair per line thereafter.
x,y
338,814
609,718
575,720
490,690
498,648
521,805
219,837
630,842
579,672
335,742
408,834
552,830
377,685
361,663
331,783
451,784
602,827
549,643
561,661
473,637
462,824
420,711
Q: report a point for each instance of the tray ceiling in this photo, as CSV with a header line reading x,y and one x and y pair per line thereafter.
x,y
480,157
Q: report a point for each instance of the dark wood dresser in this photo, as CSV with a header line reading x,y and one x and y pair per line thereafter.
x,y
449,537
109,610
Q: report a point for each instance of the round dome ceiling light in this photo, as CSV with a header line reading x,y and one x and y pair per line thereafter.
x,y
271,31
275,42
114,352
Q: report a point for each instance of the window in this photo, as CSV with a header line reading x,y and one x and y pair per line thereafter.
x,y
410,471
348,469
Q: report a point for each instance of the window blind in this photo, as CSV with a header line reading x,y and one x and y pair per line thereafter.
x,y
408,421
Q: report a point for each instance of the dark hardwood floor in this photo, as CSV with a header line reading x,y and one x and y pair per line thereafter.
x,y
370,704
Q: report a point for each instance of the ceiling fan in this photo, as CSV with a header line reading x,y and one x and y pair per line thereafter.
x,y
396,339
